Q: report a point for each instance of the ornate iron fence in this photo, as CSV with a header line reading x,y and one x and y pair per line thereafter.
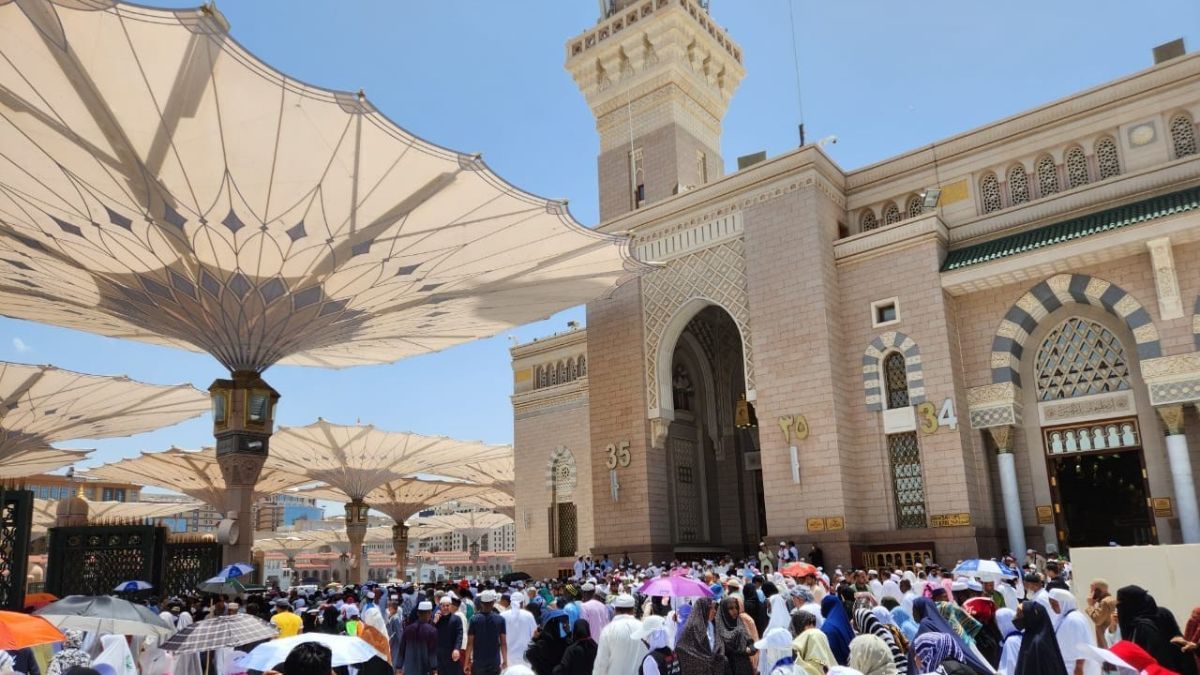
x,y
190,560
16,521
93,559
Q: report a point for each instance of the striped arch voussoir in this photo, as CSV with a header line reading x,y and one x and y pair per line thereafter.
x,y
872,368
560,454
1023,317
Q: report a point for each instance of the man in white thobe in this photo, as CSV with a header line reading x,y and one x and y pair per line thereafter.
x,y
519,625
1075,632
620,653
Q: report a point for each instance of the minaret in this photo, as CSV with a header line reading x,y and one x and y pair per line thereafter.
x,y
658,76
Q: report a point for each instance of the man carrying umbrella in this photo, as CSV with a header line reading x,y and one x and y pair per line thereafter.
x,y
418,644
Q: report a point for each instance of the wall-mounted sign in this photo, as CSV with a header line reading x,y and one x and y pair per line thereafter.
x,y
1045,515
816,524
931,418
950,520
1162,507
793,426
835,524
617,454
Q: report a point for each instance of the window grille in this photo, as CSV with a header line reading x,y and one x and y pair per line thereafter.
x,y
583,366
1047,176
1079,358
1106,157
895,375
989,189
1183,135
915,206
1018,185
867,221
908,486
891,214
1077,168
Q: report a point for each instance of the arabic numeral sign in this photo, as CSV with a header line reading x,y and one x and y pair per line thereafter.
x,y
930,418
617,454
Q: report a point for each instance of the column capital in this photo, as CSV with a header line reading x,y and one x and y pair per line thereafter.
x,y
1003,437
1172,418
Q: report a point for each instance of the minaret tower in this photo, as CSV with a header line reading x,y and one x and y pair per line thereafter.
x,y
658,76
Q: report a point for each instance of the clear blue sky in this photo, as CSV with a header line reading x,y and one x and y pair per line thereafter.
x,y
885,76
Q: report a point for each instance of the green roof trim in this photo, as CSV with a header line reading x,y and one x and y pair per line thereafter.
x,y
1075,228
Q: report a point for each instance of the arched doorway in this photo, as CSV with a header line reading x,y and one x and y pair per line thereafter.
x,y
714,475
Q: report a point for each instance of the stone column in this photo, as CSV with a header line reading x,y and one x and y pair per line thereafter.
x,y
240,471
1181,472
356,531
400,548
1003,436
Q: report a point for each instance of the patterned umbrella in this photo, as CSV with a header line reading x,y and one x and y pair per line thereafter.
x,y
222,631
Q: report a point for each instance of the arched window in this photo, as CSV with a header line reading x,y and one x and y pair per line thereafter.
x,y
1077,167
895,380
573,369
1047,175
583,366
539,377
891,214
553,374
866,221
1018,185
563,519
562,372
1078,358
915,206
989,193
1183,135
1107,160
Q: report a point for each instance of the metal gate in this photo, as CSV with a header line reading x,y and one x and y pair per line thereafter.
x,y
16,521
93,559
190,559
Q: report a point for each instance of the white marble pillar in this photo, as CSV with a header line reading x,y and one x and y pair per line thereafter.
x,y
1181,473
1008,489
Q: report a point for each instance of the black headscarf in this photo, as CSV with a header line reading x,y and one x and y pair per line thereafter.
x,y
731,632
1039,653
695,655
1151,627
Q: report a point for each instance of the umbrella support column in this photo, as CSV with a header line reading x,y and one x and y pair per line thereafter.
x,y
400,548
356,532
243,417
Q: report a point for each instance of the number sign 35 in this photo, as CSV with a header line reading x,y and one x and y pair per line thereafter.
x,y
930,419
617,454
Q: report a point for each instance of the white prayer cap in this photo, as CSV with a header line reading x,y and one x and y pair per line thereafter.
x,y
624,601
424,606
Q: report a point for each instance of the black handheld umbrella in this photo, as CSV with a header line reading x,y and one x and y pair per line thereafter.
x,y
105,614
515,576
221,631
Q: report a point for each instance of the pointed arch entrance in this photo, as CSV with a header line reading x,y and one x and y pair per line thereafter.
x,y
714,477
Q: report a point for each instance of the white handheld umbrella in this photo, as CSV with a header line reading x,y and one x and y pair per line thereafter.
x,y
347,651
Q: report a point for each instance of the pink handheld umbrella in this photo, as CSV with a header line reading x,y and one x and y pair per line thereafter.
x,y
675,587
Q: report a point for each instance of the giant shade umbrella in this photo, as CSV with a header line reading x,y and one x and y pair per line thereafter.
x,y
45,511
42,405
355,460
472,525
495,471
158,182
401,498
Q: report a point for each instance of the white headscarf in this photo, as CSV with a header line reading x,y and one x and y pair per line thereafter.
x,y
780,617
116,657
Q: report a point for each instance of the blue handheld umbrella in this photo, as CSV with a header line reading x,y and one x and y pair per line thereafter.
x,y
132,586
230,572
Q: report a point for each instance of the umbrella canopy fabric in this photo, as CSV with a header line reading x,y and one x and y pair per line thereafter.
x,y
347,651
132,586
46,405
221,631
38,600
219,585
213,203
105,614
18,631
982,569
798,569
515,576
234,571
675,587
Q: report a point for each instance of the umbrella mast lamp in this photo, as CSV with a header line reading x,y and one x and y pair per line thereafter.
x,y
243,411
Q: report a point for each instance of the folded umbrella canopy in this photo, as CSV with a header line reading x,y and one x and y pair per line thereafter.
x,y
105,614
221,631
18,631
675,587
347,651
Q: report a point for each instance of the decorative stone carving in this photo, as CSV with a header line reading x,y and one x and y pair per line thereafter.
x,y
993,405
1003,437
241,469
1172,379
1162,261
1172,418
659,428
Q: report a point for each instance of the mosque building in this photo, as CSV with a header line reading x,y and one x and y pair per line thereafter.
x,y
988,343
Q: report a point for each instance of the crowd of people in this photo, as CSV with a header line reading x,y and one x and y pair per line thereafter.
x,y
746,619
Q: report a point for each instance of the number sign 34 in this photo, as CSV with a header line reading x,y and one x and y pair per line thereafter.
x,y
617,454
930,418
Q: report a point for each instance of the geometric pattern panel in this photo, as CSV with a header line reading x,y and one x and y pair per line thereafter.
x,y
872,367
1022,318
1080,358
908,486
562,476
716,274
16,514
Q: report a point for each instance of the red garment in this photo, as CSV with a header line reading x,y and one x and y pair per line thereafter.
x,y
1137,657
1192,633
983,609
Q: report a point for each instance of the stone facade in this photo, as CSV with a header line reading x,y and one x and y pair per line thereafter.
x,y
925,383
